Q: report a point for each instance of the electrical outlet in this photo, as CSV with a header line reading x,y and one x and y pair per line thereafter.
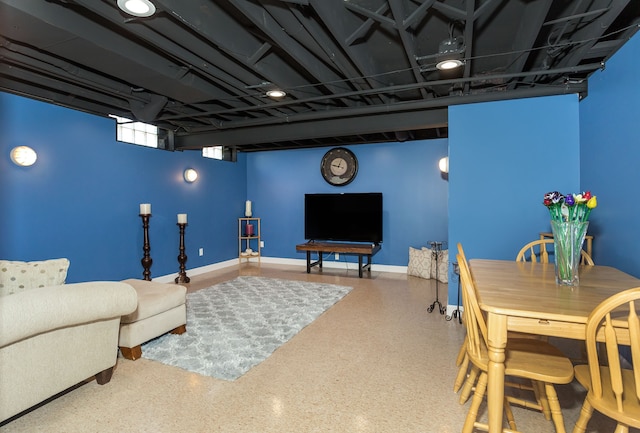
x,y
201,252
337,256
261,244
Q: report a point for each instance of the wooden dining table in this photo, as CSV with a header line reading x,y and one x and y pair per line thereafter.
x,y
524,297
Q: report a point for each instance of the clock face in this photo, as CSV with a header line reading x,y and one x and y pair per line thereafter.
x,y
339,166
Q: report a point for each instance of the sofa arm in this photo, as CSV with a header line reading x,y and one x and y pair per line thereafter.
x,y
35,311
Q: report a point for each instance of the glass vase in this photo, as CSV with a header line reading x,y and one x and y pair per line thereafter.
x,y
567,240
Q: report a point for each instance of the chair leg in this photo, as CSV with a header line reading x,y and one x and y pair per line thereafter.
x,y
468,384
462,372
478,396
556,411
542,398
131,353
585,416
462,354
509,415
179,330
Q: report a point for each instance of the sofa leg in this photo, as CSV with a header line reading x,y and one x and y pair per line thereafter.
x,y
180,329
131,353
104,376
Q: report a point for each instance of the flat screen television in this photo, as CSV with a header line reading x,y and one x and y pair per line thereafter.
x,y
348,217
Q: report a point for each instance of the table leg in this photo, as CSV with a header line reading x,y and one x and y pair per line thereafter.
x,y
497,336
360,265
308,262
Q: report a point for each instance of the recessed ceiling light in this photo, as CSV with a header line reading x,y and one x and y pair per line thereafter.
x,y
276,93
137,8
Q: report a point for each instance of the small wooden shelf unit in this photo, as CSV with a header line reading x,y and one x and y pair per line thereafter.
x,y
342,248
249,245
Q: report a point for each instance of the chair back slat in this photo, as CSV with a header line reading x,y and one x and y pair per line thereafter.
x,y
613,353
536,251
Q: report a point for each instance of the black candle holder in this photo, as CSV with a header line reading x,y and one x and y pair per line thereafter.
x,y
436,252
182,258
456,312
146,248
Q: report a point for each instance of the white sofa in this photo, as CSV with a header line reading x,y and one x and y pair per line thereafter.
x,y
52,338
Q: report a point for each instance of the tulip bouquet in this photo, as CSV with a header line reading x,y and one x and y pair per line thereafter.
x,y
569,222
570,207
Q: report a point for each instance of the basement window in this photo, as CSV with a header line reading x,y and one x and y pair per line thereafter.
x,y
130,131
214,152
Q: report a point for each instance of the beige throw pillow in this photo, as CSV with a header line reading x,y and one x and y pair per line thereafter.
x,y
419,263
18,276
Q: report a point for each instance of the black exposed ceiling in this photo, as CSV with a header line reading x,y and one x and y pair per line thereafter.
x,y
355,71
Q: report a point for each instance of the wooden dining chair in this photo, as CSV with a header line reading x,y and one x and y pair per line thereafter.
x,y
612,389
534,360
468,373
536,251
515,339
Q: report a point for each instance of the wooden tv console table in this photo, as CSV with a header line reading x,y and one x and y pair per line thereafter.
x,y
334,247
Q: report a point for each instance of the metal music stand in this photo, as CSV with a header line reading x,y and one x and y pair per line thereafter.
x,y
436,253
456,312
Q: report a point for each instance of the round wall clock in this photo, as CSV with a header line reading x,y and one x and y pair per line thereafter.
x,y
339,166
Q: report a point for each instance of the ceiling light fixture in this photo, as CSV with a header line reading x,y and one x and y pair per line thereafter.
x,y
449,64
276,93
23,156
137,8
450,54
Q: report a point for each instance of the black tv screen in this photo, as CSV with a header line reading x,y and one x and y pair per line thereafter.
x,y
350,217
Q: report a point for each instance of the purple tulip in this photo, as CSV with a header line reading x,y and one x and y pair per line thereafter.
x,y
569,201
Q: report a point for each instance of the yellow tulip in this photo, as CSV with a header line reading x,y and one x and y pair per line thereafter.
x,y
592,202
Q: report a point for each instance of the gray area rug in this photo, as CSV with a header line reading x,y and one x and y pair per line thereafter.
x,y
235,325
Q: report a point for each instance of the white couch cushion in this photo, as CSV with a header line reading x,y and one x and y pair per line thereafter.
x,y
16,276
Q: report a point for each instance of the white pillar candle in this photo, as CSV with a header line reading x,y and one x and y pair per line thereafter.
x,y
145,208
182,218
247,208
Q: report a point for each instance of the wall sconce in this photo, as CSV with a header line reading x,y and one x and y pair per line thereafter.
x,y
190,175
137,8
443,164
23,156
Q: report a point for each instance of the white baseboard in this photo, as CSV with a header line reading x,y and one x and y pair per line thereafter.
x,y
197,271
452,308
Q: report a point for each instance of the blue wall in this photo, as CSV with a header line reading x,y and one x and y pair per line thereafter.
x,y
407,174
610,136
504,156
81,198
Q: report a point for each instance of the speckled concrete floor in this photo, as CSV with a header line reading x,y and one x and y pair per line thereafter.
x,y
375,362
